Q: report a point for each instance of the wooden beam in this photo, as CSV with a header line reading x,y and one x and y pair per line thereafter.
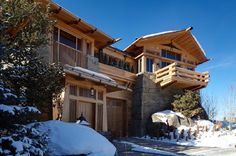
x,y
73,22
56,11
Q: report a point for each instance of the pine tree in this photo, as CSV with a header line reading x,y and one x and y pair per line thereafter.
x,y
24,28
189,105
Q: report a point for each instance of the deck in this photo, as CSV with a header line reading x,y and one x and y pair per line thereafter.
x,y
184,78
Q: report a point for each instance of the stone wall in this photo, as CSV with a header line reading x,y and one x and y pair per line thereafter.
x,y
148,98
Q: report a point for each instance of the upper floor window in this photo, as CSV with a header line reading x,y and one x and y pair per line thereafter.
x,y
171,55
67,39
55,34
88,48
164,64
149,63
73,90
85,92
139,65
79,44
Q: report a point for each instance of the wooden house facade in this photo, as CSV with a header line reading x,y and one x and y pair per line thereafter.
x,y
107,84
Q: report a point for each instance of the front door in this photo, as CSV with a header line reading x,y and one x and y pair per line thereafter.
x,y
88,110
116,116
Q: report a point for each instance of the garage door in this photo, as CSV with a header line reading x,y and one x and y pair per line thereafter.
x,y
88,110
116,116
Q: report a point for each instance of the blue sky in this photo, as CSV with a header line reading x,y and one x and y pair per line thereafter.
x,y
213,21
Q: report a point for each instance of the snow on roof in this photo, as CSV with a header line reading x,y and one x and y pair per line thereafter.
x,y
90,73
75,139
199,45
159,33
94,76
163,115
166,32
13,108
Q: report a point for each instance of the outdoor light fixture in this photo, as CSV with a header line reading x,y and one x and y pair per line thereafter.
x,y
92,91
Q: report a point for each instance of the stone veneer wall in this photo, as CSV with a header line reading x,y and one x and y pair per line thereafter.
x,y
148,98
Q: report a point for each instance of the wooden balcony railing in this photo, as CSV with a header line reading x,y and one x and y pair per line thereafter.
x,y
64,54
186,78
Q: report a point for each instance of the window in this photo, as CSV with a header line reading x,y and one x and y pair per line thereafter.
x,y
88,48
72,107
73,90
171,55
67,39
79,44
140,65
164,64
55,34
85,92
100,95
149,63
190,69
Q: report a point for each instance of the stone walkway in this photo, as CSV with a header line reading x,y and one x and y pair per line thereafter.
x,y
125,150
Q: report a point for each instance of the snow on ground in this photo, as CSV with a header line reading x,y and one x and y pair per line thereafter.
x,y
210,138
13,108
74,139
164,114
144,149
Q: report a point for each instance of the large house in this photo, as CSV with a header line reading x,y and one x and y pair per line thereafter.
x,y
117,90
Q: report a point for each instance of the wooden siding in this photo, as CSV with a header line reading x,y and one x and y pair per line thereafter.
x,y
116,116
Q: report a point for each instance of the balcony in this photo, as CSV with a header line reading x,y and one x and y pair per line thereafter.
x,y
183,78
64,54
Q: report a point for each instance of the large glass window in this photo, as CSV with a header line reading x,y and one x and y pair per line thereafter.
x,y
164,64
88,48
149,63
79,44
67,39
55,34
171,55
73,90
85,92
140,65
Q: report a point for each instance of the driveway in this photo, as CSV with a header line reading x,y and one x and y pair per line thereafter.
x,y
125,149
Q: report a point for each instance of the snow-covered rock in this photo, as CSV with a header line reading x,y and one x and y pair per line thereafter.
x,y
74,139
164,115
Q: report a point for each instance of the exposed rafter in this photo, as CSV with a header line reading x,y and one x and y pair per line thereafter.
x,y
56,11
74,22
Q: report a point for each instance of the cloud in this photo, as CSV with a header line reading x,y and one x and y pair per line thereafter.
x,y
228,62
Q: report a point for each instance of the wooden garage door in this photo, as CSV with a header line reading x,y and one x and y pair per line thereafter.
x,y
88,110
116,116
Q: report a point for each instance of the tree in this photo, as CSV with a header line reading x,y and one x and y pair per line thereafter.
x,y
230,105
26,80
189,105
24,28
209,103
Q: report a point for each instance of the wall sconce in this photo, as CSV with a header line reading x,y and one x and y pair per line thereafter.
x,y
92,91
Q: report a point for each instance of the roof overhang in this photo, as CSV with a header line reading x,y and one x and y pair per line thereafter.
x,y
183,38
101,39
95,77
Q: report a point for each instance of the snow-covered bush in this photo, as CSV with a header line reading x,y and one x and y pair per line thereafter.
x,y
17,115
23,140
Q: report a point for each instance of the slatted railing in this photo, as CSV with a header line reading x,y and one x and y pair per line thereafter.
x,y
174,73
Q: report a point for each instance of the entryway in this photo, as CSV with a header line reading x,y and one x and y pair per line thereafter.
x,y
116,119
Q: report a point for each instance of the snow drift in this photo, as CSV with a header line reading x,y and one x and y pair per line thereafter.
x,y
74,139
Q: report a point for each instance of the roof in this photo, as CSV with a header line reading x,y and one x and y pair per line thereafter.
x,y
101,39
184,38
93,76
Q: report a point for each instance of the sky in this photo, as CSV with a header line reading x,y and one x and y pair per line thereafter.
x,y
213,22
